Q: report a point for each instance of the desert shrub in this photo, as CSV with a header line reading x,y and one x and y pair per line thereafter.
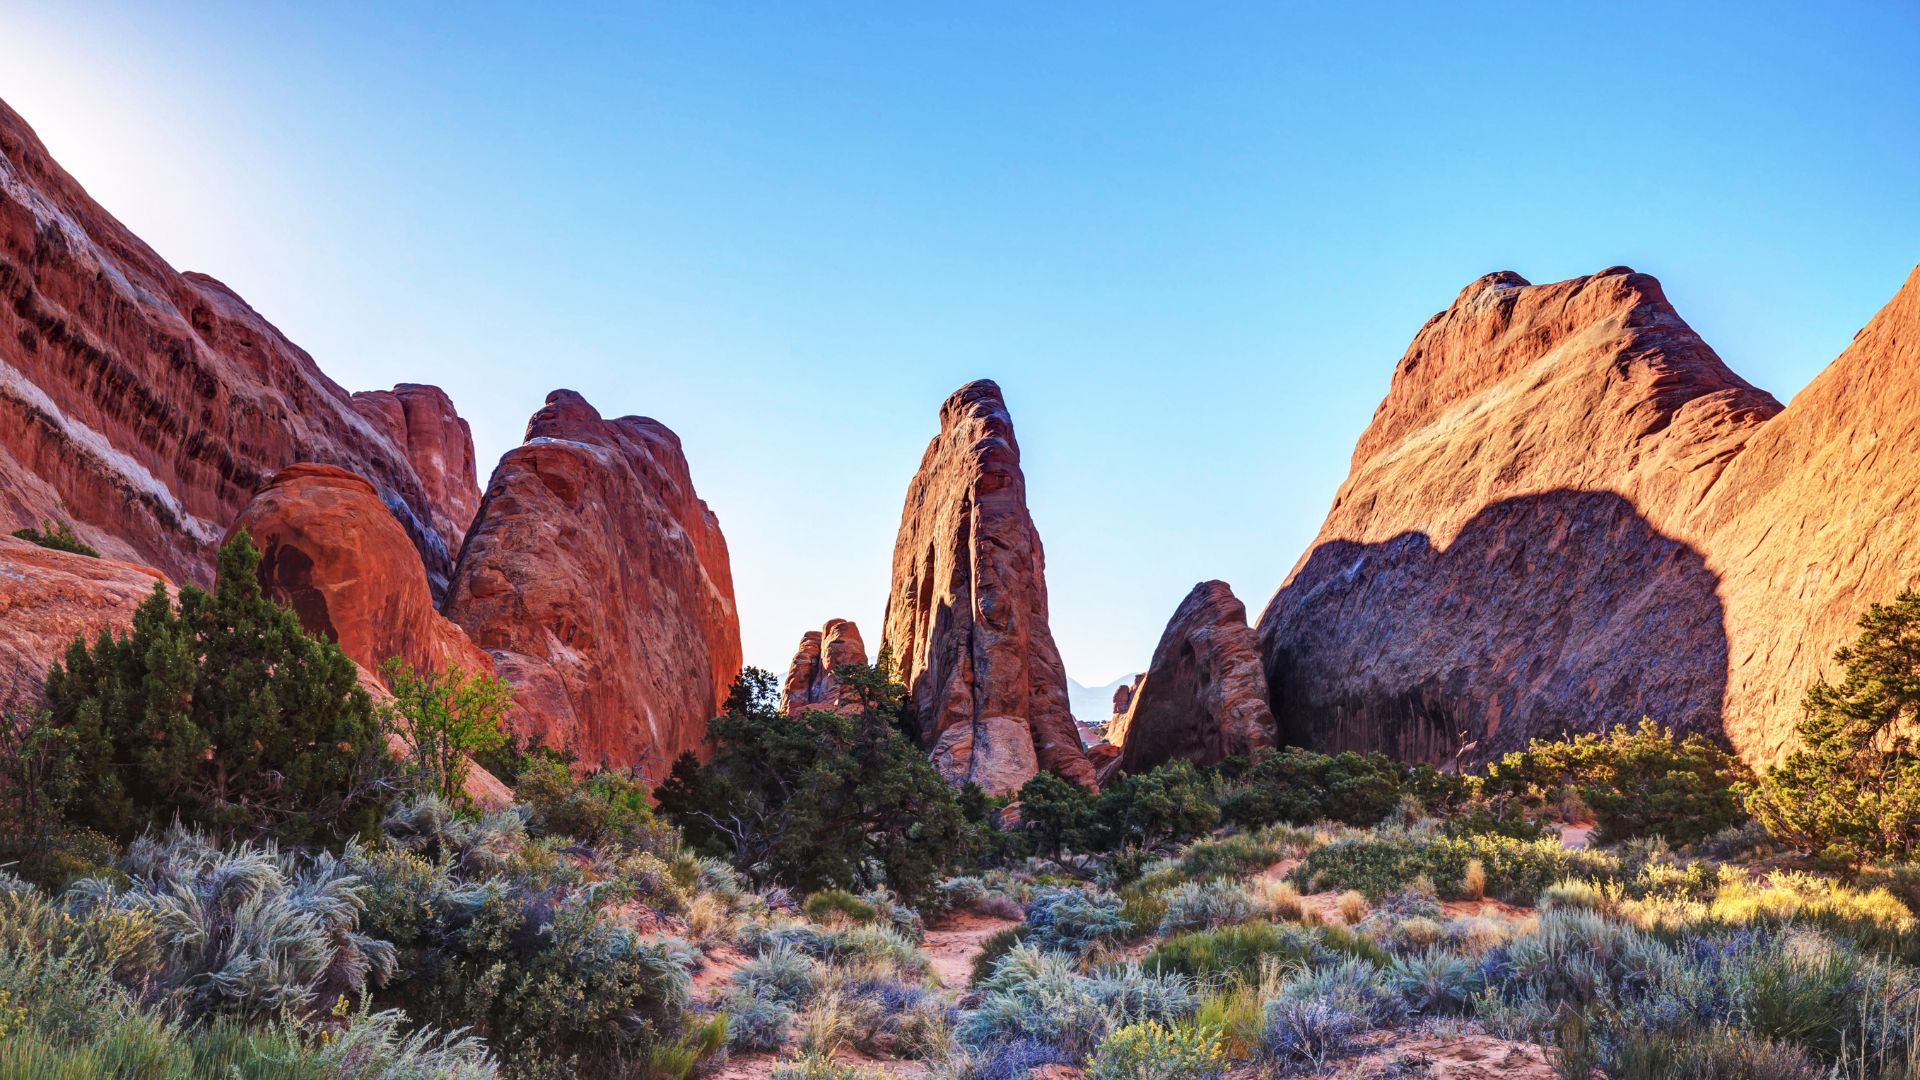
x,y
604,808
991,950
560,982
1151,1050
782,974
39,777
1203,906
1301,786
822,1066
1036,996
1851,791
1240,951
1641,781
1002,1061
757,1023
887,1015
1236,856
824,799
57,535
445,717
1514,870
246,929
1074,921
830,904
429,825
1436,981
1719,1053
221,711
1312,1030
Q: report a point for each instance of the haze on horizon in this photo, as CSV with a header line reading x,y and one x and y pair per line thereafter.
x,y
1190,246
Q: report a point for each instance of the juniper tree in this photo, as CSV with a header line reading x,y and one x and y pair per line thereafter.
x,y
220,710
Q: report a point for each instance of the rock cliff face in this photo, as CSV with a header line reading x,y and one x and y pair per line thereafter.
x,y
1204,697
144,405
332,552
47,598
598,581
810,683
966,613
1569,513
421,421
1816,518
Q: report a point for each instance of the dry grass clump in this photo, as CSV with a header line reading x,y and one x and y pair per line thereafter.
x,y
1352,906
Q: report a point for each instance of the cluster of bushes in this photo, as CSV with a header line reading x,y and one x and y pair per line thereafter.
x,y
824,799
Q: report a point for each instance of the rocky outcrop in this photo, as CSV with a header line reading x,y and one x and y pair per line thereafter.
x,y
1123,697
146,406
598,581
1204,697
48,598
421,421
1569,513
810,683
330,550
966,618
1816,518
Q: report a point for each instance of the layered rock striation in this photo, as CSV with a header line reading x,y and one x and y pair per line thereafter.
x,y
146,406
598,581
966,618
47,599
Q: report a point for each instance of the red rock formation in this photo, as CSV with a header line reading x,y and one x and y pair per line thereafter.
x,y
421,421
967,611
599,582
332,552
47,598
145,405
1123,697
1815,519
1568,513
810,683
1204,698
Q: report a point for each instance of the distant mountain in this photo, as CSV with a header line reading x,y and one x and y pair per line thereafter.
x,y
1093,705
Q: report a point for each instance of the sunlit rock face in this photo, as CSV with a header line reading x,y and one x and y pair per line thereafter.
x,y
1204,697
49,598
598,581
966,620
331,552
810,683
144,405
1507,557
422,422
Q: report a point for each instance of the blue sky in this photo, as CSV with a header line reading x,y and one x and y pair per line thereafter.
x,y
1190,241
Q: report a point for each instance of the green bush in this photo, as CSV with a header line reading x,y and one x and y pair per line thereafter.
x,y
222,712
603,809
1300,786
1643,781
1851,792
1515,870
446,717
824,799
829,904
57,535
